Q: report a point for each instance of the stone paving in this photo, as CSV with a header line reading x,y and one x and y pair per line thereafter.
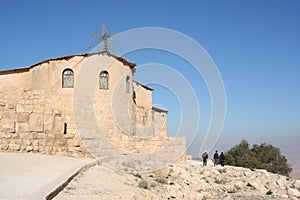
x,y
34,176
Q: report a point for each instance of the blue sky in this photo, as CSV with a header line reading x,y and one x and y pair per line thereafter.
x,y
255,45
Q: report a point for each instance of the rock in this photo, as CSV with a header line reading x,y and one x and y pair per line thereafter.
x,y
281,183
35,148
4,146
161,172
294,192
297,184
15,147
257,185
29,148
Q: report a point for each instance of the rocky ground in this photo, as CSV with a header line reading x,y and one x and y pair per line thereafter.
x,y
188,181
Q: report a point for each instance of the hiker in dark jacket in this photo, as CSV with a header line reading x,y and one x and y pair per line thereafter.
x,y
204,158
216,158
222,159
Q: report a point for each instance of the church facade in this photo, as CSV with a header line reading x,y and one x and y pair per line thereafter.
x,y
37,107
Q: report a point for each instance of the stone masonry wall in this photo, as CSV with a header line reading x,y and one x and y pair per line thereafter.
x,y
31,124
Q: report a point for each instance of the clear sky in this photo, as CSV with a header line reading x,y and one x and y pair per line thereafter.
x,y
255,45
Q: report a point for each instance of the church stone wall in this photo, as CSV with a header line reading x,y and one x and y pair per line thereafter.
x,y
36,113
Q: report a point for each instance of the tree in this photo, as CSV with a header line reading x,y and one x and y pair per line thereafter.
x,y
263,156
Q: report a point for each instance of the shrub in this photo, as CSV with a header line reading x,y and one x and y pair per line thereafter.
x,y
269,192
137,175
263,156
161,180
143,184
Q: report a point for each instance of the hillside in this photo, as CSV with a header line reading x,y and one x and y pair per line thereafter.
x,y
188,181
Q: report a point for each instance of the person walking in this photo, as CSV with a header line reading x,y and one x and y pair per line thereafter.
x,y
216,158
222,159
204,158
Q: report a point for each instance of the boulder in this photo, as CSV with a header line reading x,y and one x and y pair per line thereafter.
x,y
294,192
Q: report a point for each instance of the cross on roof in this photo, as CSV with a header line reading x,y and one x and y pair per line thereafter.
x,y
103,37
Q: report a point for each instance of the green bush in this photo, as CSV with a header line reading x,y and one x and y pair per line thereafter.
x,y
263,156
143,184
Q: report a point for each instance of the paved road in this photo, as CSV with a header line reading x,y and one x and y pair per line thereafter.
x,y
34,176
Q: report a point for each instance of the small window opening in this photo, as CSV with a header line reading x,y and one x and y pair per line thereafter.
x,y
65,128
127,84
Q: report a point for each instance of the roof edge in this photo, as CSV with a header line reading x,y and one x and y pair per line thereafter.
x,y
160,110
24,69
144,86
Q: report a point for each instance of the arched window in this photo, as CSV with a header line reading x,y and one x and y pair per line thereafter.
x,y
127,84
104,80
68,78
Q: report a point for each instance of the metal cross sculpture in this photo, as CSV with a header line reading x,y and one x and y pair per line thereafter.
x,y
103,37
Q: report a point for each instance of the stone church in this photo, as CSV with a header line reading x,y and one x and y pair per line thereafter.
x,y
37,107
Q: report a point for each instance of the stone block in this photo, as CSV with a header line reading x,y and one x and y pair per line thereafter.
x,y
48,149
4,146
41,136
28,108
58,124
27,142
2,103
38,135
18,141
48,110
10,106
35,148
36,122
4,141
39,108
48,122
60,142
54,149
9,115
35,143
22,117
50,135
25,135
41,149
29,148
15,147
42,142
22,127
7,126
20,108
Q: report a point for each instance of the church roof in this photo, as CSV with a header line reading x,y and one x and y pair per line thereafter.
x,y
144,86
160,110
25,69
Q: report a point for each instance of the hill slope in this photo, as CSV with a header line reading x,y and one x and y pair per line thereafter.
x,y
188,181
